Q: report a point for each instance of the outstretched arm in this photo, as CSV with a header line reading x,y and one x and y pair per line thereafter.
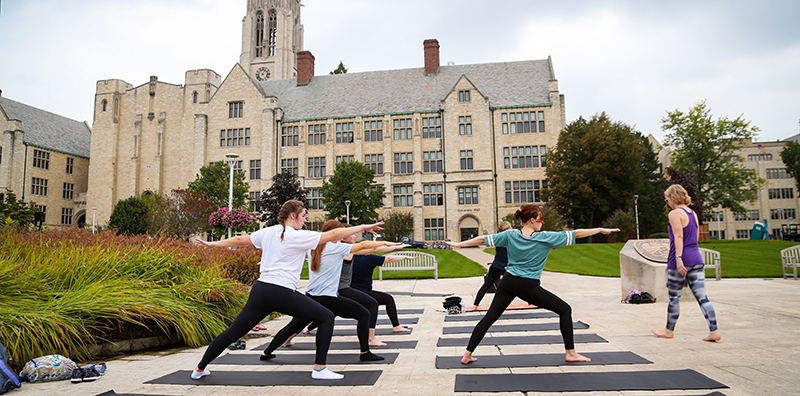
x,y
382,249
341,233
391,258
371,245
238,241
585,232
472,242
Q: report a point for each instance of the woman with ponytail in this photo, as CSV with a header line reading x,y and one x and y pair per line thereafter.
x,y
283,249
527,254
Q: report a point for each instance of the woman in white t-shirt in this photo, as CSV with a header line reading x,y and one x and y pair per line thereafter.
x,y
283,251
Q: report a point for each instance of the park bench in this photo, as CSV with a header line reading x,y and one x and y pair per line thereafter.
x,y
790,258
711,259
421,261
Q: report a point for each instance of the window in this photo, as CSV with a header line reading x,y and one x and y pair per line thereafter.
x,y
466,159
777,173
465,125
43,210
781,193
255,196
468,195
434,229
373,131
403,163
403,195
432,161
463,96
238,167
521,122
259,34
69,190
70,164
316,134
289,165
39,186
234,137
273,32
782,214
235,109
345,158
194,100
255,169
105,104
402,129
433,194
1,154
431,127
41,159
524,191
523,157
316,167
374,162
66,216
344,132
713,216
742,234
716,234
759,157
749,215
289,136
315,199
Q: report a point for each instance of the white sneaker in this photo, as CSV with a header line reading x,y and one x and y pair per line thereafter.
x,y
325,374
196,375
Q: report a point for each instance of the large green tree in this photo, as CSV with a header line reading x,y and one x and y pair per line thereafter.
x,y
398,225
129,216
790,154
16,211
285,186
213,183
352,181
650,203
595,170
709,149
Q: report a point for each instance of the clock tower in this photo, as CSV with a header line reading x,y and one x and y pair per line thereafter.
x,y
271,37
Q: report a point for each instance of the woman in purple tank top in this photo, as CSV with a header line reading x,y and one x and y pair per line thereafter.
x,y
685,263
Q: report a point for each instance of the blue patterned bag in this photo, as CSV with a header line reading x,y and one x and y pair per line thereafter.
x,y
48,368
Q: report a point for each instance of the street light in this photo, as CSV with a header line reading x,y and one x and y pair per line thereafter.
x,y
348,210
231,159
636,205
94,218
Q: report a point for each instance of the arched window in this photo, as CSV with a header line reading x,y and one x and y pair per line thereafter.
x,y
273,31
105,103
259,34
194,97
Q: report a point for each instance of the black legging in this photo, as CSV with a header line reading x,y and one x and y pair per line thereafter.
x,y
488,280
365,300
340,306
264,299
387,300
530,291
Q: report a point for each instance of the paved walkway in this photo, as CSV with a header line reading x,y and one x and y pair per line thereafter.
x,y
759,320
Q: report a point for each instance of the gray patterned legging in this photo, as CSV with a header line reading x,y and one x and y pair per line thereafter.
x,y
696,277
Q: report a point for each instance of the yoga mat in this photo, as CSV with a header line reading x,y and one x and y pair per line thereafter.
x,y
515,327
268,378
540,360
353,322
311,346
521,340
514,315
412,294
404,311
585,382
283,356
352,331
112,393
486,307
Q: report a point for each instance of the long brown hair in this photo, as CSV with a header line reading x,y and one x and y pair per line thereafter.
x,y
316,254
289,207
529,211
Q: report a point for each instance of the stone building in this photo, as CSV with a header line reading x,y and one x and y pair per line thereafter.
x,y
44,159
459,146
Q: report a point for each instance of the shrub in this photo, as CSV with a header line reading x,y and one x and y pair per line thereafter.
x,y
129,216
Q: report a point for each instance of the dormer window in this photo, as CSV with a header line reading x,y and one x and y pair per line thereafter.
x,y
463,96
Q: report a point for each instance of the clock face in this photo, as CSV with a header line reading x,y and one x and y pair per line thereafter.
x,y
262,74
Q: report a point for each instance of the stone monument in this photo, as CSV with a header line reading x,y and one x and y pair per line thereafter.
x,y
643,266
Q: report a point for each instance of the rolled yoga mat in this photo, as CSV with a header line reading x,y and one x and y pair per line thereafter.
x,y
286,357
311,346
540,360
268,378
514,315
521,340
514,327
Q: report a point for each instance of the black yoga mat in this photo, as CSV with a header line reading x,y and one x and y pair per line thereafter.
x,y
112,393
514,327
352,331
585,382
353,322
311,346
515,315
522,340
412,294
286,357
540,360
268,378
408,311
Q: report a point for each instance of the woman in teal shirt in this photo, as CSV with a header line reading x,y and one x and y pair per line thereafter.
x,y
527,254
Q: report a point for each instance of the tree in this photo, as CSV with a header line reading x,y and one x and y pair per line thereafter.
x,y
595,170
398,225
16,211
651,193
213,183
340,69
179,213
710,150
688,182
285,186
625,221
790,154
129,216
352,181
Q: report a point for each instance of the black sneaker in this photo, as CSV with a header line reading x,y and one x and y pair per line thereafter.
x,y
90,374
77,376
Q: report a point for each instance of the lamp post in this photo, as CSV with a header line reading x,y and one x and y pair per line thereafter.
x,y
717,215
231,159
636,205
94,218
348,210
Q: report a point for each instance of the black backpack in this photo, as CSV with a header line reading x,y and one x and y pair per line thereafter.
x,y
452,305
639,297
8,378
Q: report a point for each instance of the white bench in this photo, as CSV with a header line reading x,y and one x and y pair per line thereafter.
x,y
421,261
790,258
711,258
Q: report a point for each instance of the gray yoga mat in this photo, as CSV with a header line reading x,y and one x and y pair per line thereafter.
x,y
268,378
311,346
540,360
514,327
515,315
412,294
353,322
386,331
112,393
286,357
521,340
408,311
586,382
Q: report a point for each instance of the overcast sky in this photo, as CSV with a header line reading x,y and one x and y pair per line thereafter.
x,y
635,60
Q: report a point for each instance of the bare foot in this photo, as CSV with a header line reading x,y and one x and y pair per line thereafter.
x,y
471,308
467,359
665,333
305,331
713,336
573,356
400,329
287,344
375,343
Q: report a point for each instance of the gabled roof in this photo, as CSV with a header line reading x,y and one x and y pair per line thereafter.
x,y
49,131
509,84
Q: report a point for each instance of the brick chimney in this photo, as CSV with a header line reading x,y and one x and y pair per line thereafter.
x,y
431,56
305,67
